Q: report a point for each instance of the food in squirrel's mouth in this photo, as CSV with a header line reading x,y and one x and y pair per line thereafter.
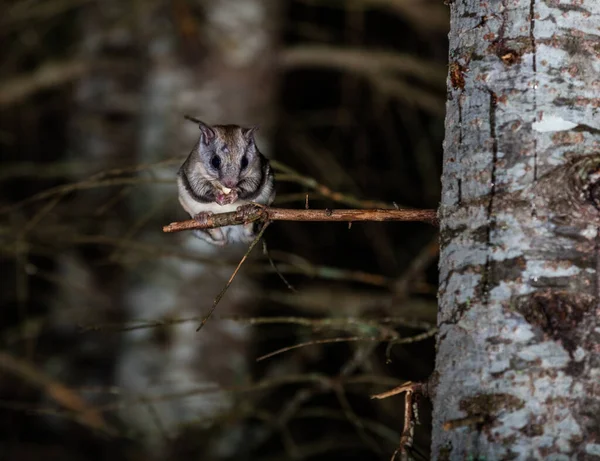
x,y
225,190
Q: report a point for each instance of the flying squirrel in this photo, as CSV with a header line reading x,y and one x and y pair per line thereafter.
x,y
223,172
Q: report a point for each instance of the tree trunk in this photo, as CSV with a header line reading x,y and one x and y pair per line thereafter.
x,y
101,138
214,61
162,60
518,361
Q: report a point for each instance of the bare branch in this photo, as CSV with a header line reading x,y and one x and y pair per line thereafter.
x,y
66,397
425,15
261,213
386,71
410,414
364,62
291,175
47,76
412,339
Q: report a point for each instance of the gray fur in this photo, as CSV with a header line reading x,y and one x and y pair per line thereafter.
x,y
200,183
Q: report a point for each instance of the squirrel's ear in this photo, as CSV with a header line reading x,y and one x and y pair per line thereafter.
x,y
249,132
208,133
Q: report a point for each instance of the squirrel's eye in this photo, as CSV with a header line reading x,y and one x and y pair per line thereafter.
x,y
215,161
244,162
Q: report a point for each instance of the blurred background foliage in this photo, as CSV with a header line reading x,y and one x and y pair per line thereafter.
x,y
99,357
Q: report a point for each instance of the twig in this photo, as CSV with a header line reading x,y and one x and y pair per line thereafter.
x,y
342,323
407,386
426,16
315,342
291,175
363,62
276,269
262,213
353,418
358,323
375,427
408,432
66,397
382,69
106,178
416,268
410,414
411,339
335,273
267,383
225,288
49,75
84,185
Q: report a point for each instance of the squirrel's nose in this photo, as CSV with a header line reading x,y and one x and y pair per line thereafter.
x,y
228,182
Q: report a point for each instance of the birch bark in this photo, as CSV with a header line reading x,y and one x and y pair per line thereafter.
x,y
212,60
518,365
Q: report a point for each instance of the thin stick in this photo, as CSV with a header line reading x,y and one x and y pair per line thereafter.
x,y
410,414
411,339
353,418
286,174
276,269
407,386
262,213
315,342
87,415
408,433
226,287
50,74
339,323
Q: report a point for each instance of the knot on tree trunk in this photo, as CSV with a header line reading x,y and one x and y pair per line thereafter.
x,y
572,192
584,181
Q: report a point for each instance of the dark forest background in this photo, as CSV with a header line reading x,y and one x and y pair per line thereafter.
x,y
99,356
